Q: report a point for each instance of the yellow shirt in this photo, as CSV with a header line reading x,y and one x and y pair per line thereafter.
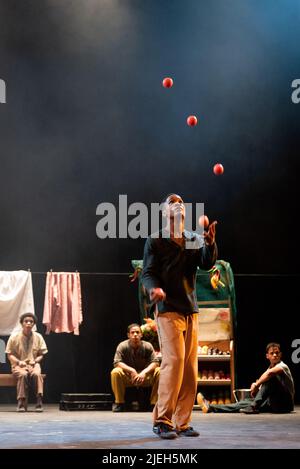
x,y
26,348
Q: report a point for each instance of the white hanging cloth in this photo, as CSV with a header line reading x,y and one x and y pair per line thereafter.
x,y
16,298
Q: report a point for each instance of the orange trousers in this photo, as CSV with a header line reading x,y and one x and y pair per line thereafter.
x,y
120,381
178,336
23,375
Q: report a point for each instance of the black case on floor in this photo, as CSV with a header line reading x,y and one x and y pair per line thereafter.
x,y
85,401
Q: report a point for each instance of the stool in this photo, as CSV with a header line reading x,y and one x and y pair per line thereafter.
x,y
9,380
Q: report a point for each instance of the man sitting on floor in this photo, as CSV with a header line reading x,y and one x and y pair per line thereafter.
x,y
135,364
272,392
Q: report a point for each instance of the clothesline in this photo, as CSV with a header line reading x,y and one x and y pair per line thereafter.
x,y
129,273
83,273
62,305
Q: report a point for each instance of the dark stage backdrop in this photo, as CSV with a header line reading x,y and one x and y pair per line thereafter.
x,y
86,119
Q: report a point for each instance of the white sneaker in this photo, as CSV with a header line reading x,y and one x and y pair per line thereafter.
x,y
202,402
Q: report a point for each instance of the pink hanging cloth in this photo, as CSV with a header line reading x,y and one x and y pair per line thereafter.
x,y
62,307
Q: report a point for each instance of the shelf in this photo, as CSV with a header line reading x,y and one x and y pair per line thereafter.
x,y
199,407
214,358
214,382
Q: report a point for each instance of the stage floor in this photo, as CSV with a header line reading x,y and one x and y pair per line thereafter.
x,y
132,430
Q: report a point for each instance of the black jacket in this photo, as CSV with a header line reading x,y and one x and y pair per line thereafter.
x,y
173,268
